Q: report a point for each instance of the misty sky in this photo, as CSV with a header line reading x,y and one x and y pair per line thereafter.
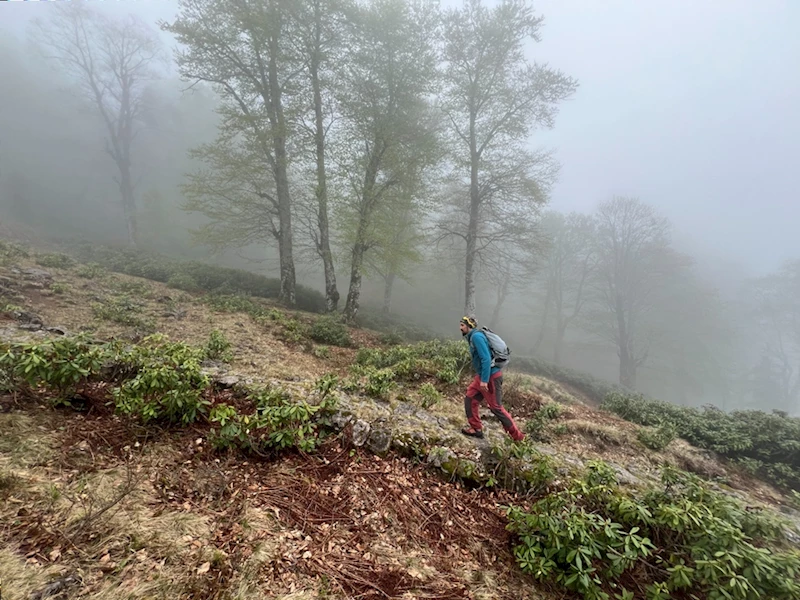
x,y
691,105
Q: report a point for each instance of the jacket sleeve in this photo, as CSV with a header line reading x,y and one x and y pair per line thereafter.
x,y
482,347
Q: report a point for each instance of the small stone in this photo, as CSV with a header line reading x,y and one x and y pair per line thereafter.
x,y
361,431
380,440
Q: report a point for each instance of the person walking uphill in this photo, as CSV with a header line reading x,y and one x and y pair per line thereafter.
x,y
487,384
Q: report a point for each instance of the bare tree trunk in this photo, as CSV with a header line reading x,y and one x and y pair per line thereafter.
x,y
627,360
561,329
324,249
128,201
502,294
368,200
387,293
539,338
278,122
356,271
470,304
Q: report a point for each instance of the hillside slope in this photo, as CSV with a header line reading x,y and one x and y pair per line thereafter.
x,y
393,502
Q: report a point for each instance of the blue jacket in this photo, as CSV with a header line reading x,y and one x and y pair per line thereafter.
x,y
481,355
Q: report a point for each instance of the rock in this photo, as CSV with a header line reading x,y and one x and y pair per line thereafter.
x,y
340,420
624,476
361,431
31,326
228,381
57,330
443,458
411,444
28,317
380,440
36,274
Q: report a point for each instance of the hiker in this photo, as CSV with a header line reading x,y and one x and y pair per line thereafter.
x,y
487,383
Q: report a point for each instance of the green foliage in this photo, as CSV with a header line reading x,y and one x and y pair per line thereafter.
x,y
391,338
168,383
209,278
278,423
60,288
90,271
537,425
443,360
773,440
9,252
681,536
55,261
397,328
429,395
522,467
183,281
657,438
218,347
321,352
60,365
122,310
330,330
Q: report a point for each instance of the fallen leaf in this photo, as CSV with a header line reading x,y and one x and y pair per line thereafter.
x,y
203,568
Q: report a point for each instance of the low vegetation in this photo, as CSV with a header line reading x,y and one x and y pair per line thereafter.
x,y
193,276
680,540
766,444
160,381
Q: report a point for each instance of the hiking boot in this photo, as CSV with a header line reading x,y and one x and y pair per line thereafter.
x,y
476,433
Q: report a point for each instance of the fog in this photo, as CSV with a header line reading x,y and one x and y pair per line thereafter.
x,y
691,108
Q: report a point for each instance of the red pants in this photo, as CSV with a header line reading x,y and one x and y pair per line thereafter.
x,y
494,398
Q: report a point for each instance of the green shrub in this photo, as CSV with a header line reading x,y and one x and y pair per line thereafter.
x,y
55,261
278,423
90,271
322,352
60,288
182,281
167,385
595,539
9,252
392,338
657,438
771,439
218,347
537,425
330,330
122,310
520,466
60,365
429,395
445,361
209,278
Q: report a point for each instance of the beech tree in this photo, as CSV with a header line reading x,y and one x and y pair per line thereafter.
x,y
113,61
634,263
493,99
387,137
566,273
243,48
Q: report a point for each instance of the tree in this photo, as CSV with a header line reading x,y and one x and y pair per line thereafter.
x,y
567,271
387,138
400,238
777,309
242,47
634,262
493,99
113,61
320,33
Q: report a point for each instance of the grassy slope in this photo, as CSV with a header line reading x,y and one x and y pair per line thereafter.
x,y
99,506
